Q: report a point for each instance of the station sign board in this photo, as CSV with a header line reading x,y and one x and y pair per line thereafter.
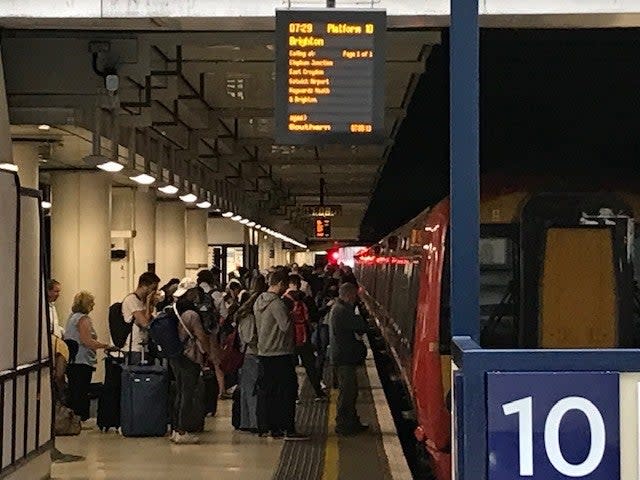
x,y
321,210
322,227
330,76
559,425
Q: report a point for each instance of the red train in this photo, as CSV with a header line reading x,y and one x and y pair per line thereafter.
x,y
557,271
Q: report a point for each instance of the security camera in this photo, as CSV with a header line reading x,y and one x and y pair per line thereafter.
x,y
112,82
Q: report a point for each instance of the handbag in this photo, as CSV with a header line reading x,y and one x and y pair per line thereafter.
x,y
67,423
231,358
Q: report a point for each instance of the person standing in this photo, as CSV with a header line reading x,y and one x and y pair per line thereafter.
x,y
80,329
277,380
248,380
53,293
190,399
348,352
138,308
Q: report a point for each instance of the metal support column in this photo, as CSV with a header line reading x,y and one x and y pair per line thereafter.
x,y
464,169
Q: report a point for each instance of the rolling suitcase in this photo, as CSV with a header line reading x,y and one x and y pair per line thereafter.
x,y
144,400
235,409
109,400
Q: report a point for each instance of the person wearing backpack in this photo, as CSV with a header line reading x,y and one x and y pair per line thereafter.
x,y
277,379
189,366
248,333
137,312
296,302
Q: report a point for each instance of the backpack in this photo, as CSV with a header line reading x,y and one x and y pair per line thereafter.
x,y
164,332
209,314
118,328
247,328
300,316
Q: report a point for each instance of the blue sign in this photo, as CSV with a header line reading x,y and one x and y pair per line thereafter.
x,y
551,426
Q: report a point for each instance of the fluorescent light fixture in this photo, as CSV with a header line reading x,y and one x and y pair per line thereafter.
x,y
188,198
45,205
244,221
44,127
228,214
258,227
236,218
205,204
169,189
251,224
12,167
111,166
143,179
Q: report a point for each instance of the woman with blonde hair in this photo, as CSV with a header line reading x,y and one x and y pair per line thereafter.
x,y
80,329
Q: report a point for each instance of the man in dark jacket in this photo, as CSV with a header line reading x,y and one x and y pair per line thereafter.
x,y
347,353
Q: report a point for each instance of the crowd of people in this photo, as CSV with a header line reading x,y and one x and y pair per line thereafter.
x,y
241,340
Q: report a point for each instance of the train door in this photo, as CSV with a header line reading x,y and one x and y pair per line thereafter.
x,y
577,285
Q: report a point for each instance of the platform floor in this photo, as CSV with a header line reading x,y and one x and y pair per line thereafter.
x,y
227,454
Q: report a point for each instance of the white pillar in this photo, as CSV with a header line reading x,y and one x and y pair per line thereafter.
x,y
81,243
170,242
6,152
196,241
144,242
25,156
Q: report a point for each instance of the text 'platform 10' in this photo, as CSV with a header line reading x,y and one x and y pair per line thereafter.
x,y
330,76
563,425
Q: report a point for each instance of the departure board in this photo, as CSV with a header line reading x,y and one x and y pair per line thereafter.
x,y
323,228
330,76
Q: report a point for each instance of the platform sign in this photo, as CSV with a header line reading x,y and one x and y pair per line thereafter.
x,y
322,228
330,76
555,425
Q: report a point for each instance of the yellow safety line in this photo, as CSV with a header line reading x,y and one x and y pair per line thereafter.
x,y
331,453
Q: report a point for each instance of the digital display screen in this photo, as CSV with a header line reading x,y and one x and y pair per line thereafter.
x,y
323,228
330,76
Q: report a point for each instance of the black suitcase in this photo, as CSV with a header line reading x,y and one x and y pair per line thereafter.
x,y
211,393
109,400
235,408
144,401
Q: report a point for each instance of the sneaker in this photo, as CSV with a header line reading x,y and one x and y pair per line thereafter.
x,y
298,402
186,439
293,437
277,435
173,436
323,385
320,398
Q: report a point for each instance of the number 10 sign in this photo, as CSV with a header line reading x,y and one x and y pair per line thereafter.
x,y
561,425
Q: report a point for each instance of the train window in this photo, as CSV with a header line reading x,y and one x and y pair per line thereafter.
x,y
499,267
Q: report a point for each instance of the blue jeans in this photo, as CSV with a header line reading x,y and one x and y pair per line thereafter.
x,y
320,338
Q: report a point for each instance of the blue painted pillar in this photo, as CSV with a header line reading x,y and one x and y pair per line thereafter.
x,y
464,173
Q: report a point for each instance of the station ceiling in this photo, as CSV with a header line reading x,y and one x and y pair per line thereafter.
x,y
199,98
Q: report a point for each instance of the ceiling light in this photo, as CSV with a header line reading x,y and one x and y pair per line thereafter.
x,y
46,205
12,167
205,204
258,227
244,221
228,214
143,179
44,127
236,218
188,198
111,166
169,189
251,224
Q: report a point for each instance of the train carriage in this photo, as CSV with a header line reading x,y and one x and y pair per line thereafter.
x,y
556,271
